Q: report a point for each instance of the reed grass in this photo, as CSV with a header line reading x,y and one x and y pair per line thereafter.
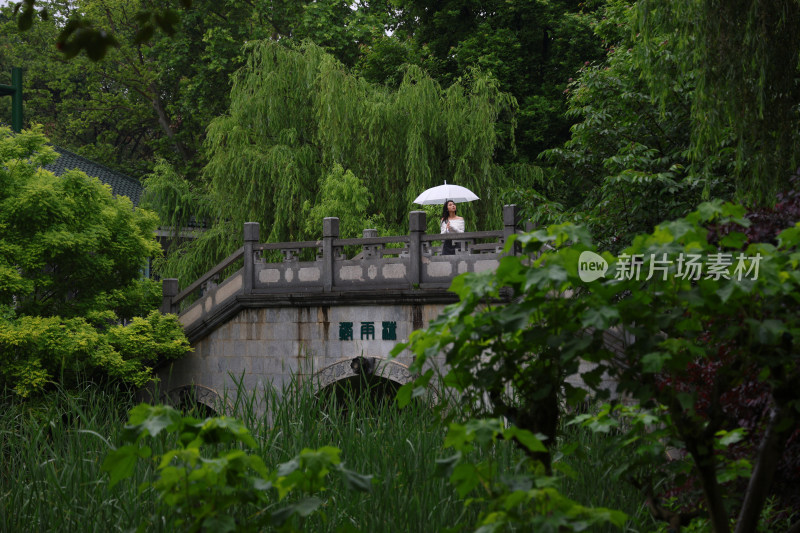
x,y
52,451
592,461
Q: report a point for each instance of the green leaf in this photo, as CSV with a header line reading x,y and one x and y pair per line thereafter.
x,y
121,462
789,238
526,438
224,429
600,317
484,431
726,291
403,396
770,331
653,362
219,523
304,507
445,465
564,468
151,420
356,481
726,438
734,239
466,478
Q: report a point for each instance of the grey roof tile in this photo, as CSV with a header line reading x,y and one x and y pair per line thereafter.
x,y
121,185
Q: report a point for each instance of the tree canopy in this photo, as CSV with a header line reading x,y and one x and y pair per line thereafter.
x,y
297,113
745,58
165,73
67,242
531,47
71,260
654,138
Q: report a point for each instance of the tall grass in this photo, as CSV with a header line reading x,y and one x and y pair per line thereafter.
x,y
51,452
593,459
399,447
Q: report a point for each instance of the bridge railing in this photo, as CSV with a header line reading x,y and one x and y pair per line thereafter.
x,y
207,280
406,262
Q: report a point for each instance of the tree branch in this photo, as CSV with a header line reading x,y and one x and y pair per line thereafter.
x,y
779,428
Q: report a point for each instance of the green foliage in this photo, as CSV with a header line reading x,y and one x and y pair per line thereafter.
x,y
53,449
513,359
693,101
36,352
530,47
341,195
745,59
83,106
296,114
67,245
626,166
385,61
528,499
151,340
70,269
154,75
209,476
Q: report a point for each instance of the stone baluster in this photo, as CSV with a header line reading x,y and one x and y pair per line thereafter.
x,y
462,246
371,251
169,289
416,226
330,231
290,255
209,285
251,236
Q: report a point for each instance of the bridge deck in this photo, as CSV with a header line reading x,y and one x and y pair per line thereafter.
x,y
401,269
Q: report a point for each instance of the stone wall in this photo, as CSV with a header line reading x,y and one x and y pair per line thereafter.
x,y
271,346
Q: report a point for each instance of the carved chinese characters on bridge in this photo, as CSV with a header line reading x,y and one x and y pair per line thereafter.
x,y
388,331
345,331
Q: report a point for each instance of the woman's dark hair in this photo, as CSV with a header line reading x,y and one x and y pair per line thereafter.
x,y
445,212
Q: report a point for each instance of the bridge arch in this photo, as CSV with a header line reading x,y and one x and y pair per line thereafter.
x,y
379,377
354,367
209,401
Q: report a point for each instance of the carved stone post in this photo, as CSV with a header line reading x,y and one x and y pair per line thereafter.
x,y
416,227
510,224
330,231
371,251
169,289
251,236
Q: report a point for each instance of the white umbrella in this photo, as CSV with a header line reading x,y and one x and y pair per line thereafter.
x,y
441,193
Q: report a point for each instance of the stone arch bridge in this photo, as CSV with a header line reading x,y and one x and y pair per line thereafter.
x,y
326,319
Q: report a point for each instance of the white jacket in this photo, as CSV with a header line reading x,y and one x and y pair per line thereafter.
x,y
456,226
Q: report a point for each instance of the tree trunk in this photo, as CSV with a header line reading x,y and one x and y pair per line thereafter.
x,y
706,466
769,453
163,121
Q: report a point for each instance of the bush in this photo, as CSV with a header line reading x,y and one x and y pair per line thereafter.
x,y
513,360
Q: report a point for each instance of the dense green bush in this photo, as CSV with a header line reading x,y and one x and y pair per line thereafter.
x,y
513,360
71,257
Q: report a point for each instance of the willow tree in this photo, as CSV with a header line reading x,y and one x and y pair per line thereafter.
x,y
296,114
744,56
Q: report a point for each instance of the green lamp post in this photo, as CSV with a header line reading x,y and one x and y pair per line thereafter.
x,y
15,90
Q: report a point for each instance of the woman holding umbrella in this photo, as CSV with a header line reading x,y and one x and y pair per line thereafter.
x,y
450,223
448,195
